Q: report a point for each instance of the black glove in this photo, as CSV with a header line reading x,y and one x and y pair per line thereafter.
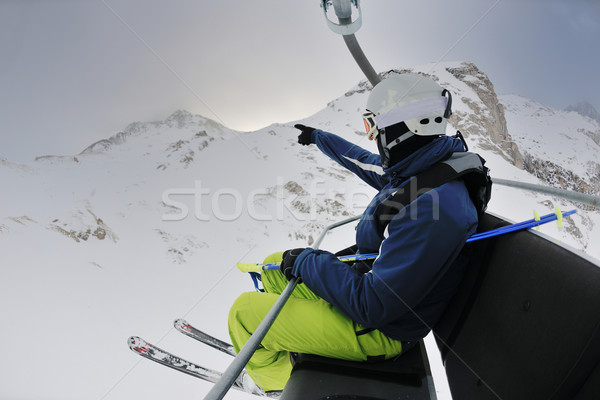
x,y
287,263
305,138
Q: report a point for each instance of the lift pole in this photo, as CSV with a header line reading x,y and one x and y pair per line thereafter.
x,y
583,198
223,385
347,27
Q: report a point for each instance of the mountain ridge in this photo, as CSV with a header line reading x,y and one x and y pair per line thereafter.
x,y
505,126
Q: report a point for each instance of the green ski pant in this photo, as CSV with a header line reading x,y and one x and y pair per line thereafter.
x,y
306,324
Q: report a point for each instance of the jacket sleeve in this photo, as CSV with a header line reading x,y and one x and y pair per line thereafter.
x,y
412,258
366,165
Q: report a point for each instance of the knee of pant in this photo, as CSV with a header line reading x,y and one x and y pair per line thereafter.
x,y
239,308
248,310
274,258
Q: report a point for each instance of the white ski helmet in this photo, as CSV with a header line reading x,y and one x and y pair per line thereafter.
x,y
417,100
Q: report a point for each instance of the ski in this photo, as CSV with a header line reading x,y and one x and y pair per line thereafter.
x,y
151,352
184,327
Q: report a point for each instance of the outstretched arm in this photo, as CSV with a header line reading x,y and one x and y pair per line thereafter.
x,y
363,163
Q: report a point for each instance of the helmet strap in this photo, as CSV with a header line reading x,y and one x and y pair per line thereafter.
x,y
392,154
385,145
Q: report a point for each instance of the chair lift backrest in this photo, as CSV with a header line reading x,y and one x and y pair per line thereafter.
x,y
525,323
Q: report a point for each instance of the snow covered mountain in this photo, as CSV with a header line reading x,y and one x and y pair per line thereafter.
x,y
146,226
585,109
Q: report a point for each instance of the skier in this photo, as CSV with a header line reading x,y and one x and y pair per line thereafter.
x,y
358,312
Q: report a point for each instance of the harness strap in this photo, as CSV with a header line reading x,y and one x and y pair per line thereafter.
x,y
468,166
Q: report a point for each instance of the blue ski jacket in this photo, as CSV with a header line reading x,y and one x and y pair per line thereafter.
x,y
420,263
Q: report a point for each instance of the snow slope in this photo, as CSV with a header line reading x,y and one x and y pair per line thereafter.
x,y
565,138
146,227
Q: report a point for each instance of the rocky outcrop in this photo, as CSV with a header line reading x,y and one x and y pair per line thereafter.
x,y
81,229
561,177
486,117
105,144
180,119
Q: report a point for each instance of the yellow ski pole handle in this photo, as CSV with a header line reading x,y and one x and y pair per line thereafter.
x,y
255,267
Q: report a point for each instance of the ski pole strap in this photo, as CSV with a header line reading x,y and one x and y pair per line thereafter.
x,y
255,279
531,223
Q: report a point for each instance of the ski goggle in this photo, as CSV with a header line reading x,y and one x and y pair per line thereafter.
x,y
370,125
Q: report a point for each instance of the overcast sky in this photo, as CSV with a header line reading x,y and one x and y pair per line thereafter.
x,y
76,71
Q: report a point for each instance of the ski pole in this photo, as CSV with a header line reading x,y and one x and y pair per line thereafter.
x,y
521,226
223,385
257,267
531,223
